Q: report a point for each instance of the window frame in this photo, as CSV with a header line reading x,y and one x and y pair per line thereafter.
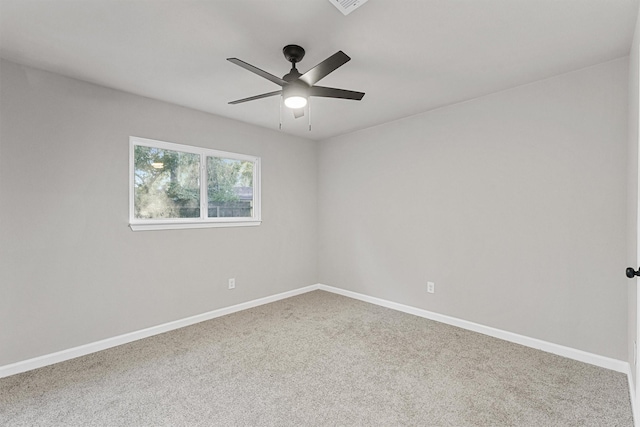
x,y
204,221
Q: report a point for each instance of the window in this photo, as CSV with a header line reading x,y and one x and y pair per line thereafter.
x,y
179,186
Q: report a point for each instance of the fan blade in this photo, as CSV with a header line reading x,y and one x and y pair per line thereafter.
x,y
298,112
253,98
258,71
331,92
327,66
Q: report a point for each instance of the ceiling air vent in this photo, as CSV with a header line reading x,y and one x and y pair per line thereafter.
x,y
347,6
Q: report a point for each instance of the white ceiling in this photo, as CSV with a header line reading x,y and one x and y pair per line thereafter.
x,y
408,56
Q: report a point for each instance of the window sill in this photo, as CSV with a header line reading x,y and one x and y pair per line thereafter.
x,y
183,225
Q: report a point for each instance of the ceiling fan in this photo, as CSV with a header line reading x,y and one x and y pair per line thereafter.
x,y
296,87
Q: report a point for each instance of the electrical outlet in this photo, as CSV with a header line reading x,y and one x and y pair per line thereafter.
x,y
431,287
232,283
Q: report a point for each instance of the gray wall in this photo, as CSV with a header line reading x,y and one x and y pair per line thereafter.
x,y
515,204
632,196
72,272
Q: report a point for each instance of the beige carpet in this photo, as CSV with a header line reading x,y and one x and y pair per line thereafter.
x,y
312,360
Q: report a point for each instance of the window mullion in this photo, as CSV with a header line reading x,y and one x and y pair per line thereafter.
x,y
204,202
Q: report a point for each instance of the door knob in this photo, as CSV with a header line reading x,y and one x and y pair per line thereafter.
x,y
631,273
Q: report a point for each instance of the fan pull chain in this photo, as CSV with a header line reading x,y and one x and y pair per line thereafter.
x,y
309,105
281,101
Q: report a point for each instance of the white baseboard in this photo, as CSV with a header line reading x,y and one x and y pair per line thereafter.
x,y
60,356
72,353
571,353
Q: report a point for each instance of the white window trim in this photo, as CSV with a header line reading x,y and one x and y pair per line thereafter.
x,y
204,221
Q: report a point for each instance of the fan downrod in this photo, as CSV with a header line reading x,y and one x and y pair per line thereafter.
x,y
293,53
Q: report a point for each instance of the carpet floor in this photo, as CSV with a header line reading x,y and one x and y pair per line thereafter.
x,y
317,359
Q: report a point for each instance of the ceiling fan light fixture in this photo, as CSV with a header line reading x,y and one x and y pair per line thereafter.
x,y
295,96
295,102
296,87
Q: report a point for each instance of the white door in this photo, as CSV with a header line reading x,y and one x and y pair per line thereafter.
x,y
637,342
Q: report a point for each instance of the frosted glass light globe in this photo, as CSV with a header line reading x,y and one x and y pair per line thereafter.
x,y
295,102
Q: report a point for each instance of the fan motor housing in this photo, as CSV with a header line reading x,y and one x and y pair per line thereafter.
x,y
292,75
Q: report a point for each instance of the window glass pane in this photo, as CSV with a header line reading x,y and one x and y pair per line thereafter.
x,y
167,183
229,187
